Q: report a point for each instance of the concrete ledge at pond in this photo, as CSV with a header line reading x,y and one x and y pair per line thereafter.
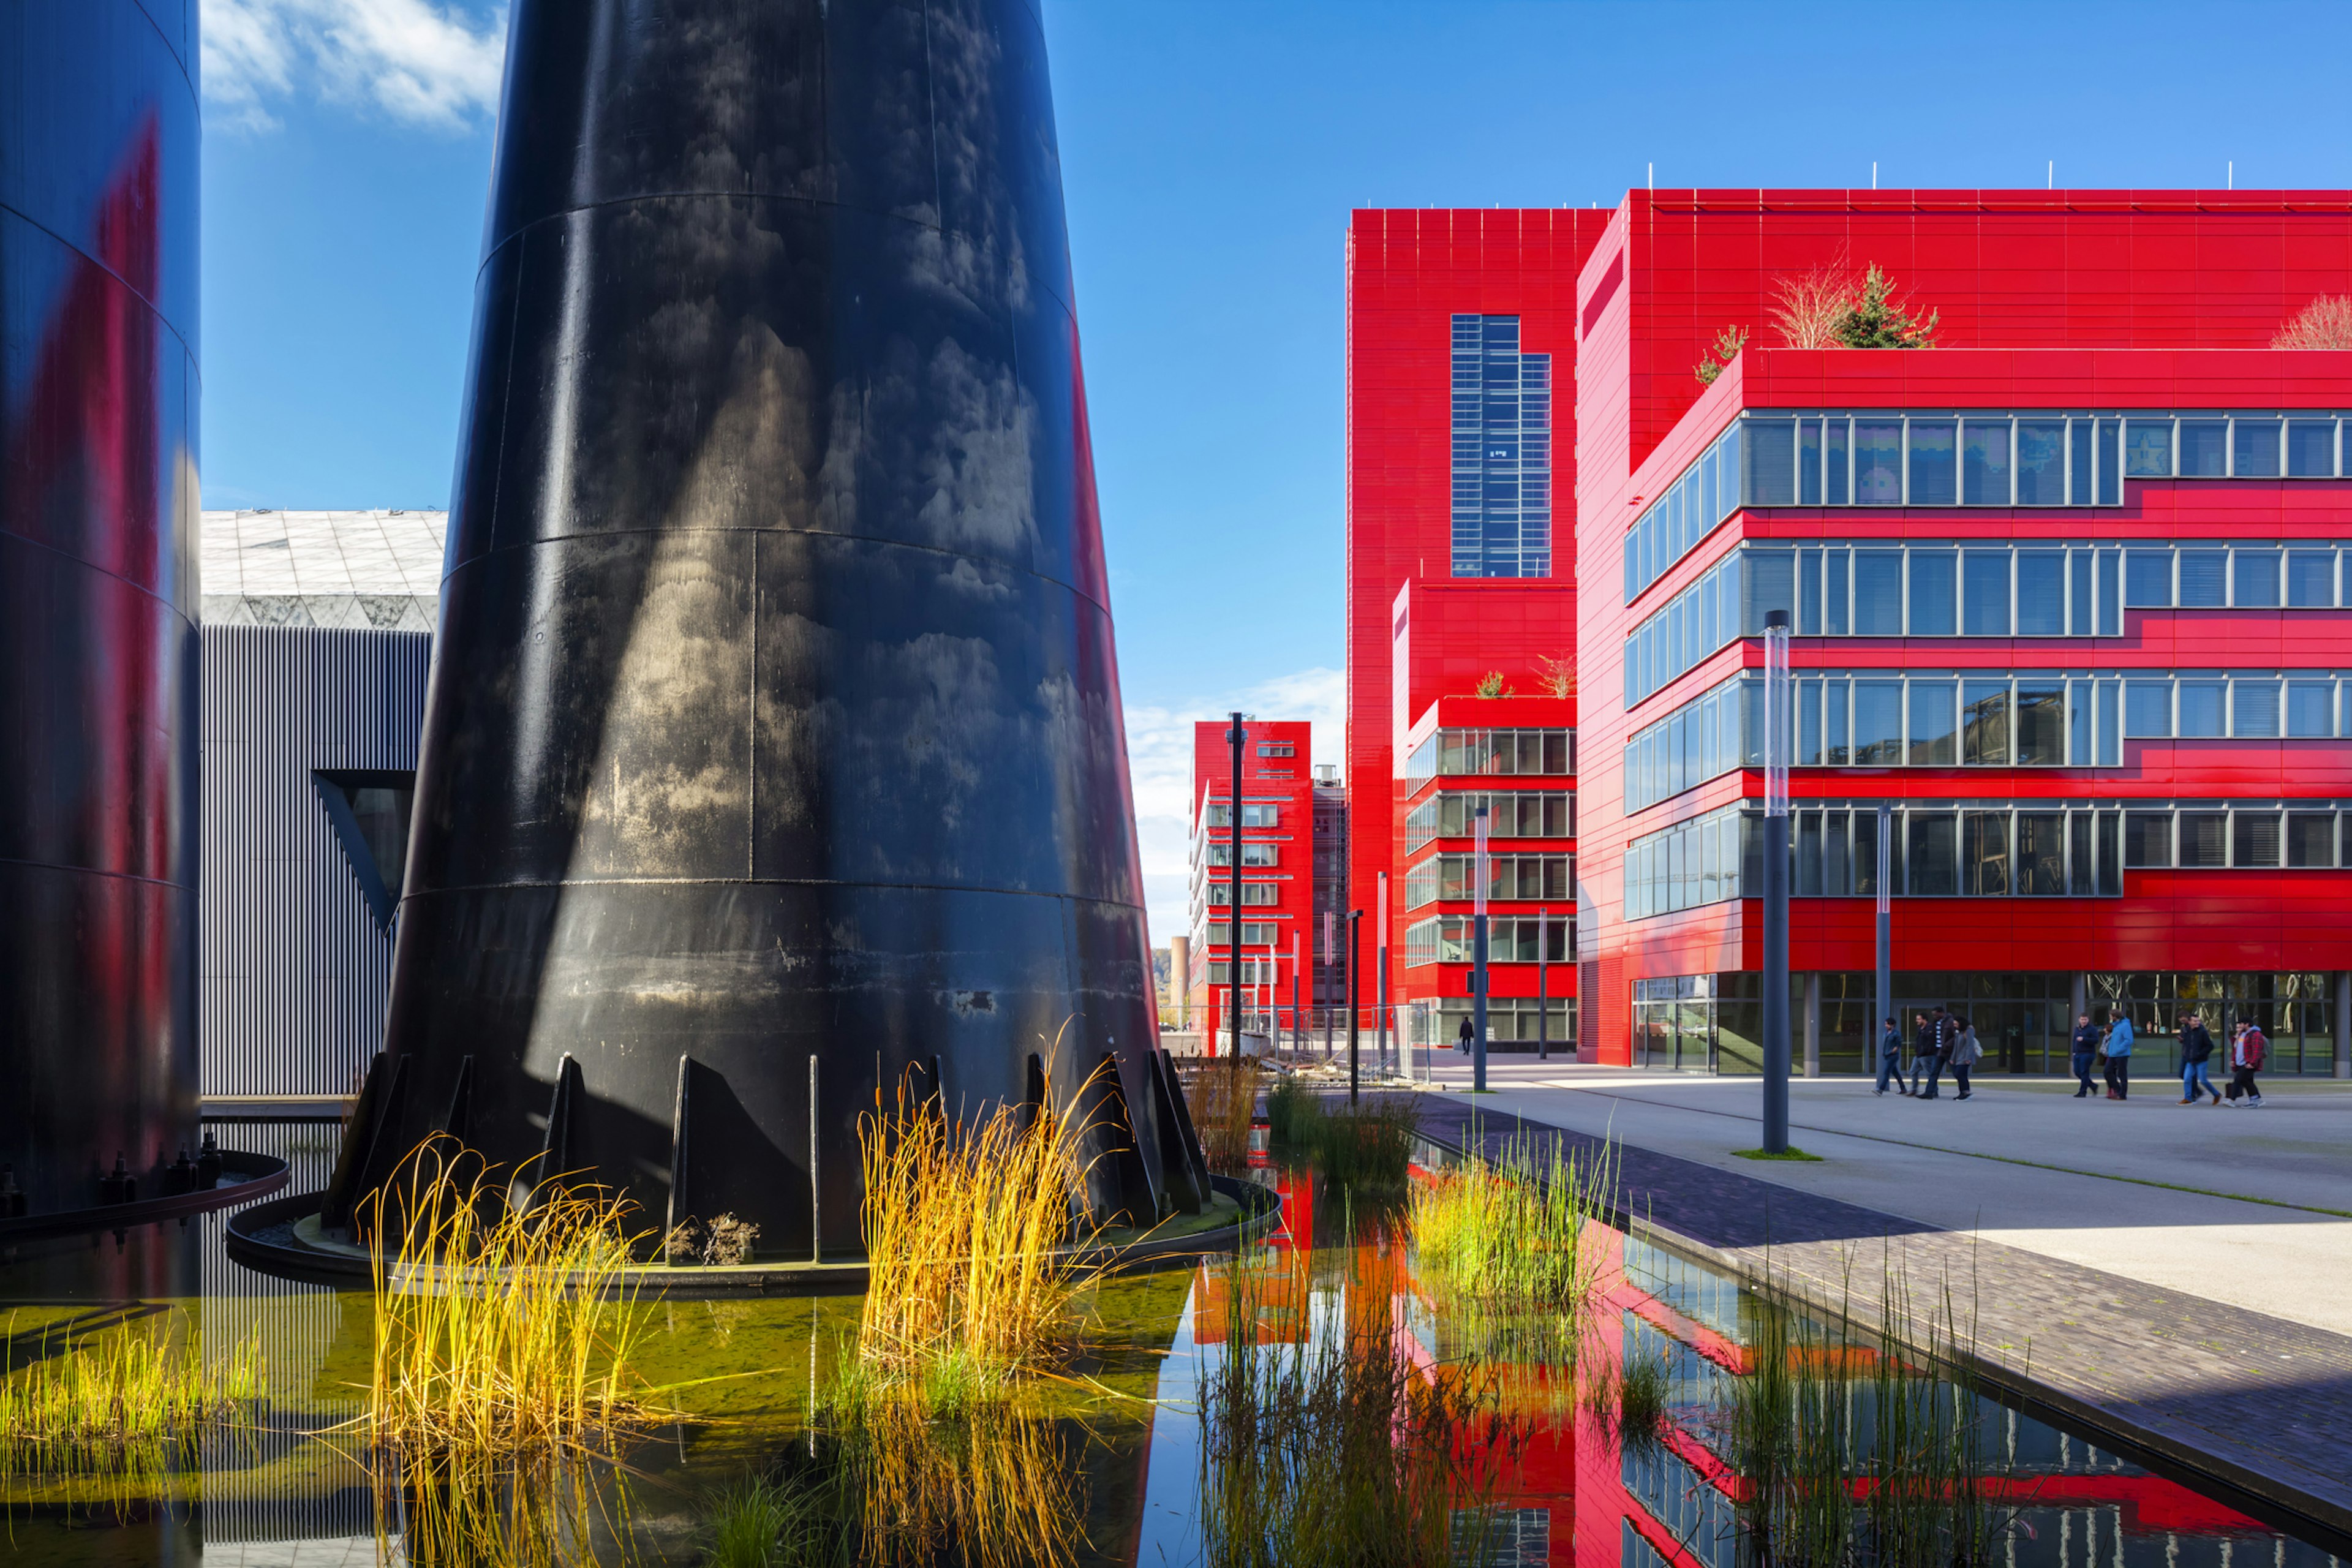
x,y
283,1238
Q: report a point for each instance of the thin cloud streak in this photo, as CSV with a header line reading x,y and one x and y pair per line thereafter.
x,y
424,64
1159,761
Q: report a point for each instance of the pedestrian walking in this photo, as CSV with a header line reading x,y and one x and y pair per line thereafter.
x,y
2086,1052
2119,1050
1943,1035
1967,1051
2196,1051
1464,1038
1923,1051
1890,1058
2246,1048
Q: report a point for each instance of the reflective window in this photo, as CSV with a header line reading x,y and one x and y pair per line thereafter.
x,y
2311,839
1928,853
2041,592
1934,477
2147,708
2310,449
1984,592
2253,709
2041,854
2254,579
1932,739
2202,709
1985,722
1877,724
1878,462
1878,593
2203,838
2042,462
2147,838
2254,838
1501,451
2254,449
2309,709
2148,448
1984,852
2204,448
2041,722
1931,593
2148,578
2204,579
1984,462
2310,578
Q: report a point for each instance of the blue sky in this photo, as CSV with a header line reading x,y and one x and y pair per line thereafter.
x,y
1211,151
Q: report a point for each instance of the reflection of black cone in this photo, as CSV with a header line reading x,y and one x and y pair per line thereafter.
x,y
774,711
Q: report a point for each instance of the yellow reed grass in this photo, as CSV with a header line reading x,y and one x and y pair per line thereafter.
x,y
1222,1095
137,1395
996,1481
966,1287
497,1328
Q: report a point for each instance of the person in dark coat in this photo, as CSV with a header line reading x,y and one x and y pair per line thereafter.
x,y
1923,1051
1890,1058
1943,1034
1465,1037
2086,1055
2196,1051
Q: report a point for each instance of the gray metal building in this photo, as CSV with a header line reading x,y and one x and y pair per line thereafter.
x,y
317,633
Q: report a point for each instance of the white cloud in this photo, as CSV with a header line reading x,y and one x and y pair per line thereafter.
x,y
419,61
1159,761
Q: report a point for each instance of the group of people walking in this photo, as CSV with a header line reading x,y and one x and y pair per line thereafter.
x,y
1943,1039
2247,1045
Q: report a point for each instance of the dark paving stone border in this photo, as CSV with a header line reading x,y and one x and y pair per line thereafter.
x,y
2262,1404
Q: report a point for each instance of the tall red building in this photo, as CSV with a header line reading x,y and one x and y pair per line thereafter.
x,y
2115,788
1462,365
1288,832
2069,597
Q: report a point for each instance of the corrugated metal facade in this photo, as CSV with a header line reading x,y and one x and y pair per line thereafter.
x,y
296,968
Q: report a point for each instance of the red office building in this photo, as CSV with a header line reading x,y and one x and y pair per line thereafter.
x,y
1462,365
2072,603
1290,831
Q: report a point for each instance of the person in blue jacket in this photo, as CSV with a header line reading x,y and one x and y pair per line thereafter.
x,y
2119,1049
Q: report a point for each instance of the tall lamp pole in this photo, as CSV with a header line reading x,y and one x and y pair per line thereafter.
x,y
1233,913
1543,985
1298,1039
1381,984
1355,957
1886,931
1778,732
1478,959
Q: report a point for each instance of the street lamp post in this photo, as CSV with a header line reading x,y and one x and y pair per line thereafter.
x,y
1298,1038
1543,985
1778,732
1478,960
1355,957
1233,911
1885,933
1380,982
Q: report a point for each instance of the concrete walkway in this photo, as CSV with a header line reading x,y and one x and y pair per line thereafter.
x,y
2093,1182
2206,1326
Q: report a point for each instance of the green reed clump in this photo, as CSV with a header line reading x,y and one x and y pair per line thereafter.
x,y
1368,1146
1346,1450
1520,1229
135,1396
1644,1388
1293,1111
779,1520
1856,1458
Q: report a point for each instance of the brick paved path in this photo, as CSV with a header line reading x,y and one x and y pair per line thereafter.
x,y
2257,1402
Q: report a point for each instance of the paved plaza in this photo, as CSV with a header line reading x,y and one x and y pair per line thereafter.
x,y
2211,1323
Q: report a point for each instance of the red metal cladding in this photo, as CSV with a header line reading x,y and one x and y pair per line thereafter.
x,y
2080,301
1277,778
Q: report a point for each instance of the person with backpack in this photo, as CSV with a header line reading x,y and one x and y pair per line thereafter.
x,y
2086,1054
1967,1051
2246,1048
1890,1058
1943,1036
2119,1050
2196,1050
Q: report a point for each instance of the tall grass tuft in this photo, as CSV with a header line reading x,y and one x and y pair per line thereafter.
x,y
774,1521
967,1287
137,1396
1222,1095
1293,1111
1345,1450
1520,1231
1367,1147
1854,1457
498,1327
502,1375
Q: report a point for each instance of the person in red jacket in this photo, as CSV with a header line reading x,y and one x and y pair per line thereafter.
x,y
2246,1048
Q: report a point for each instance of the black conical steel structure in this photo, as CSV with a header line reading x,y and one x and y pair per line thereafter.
x,y
774,713
98,650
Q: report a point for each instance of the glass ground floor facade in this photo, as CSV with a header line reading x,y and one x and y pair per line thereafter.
x,y
1512,1022
1714,1023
